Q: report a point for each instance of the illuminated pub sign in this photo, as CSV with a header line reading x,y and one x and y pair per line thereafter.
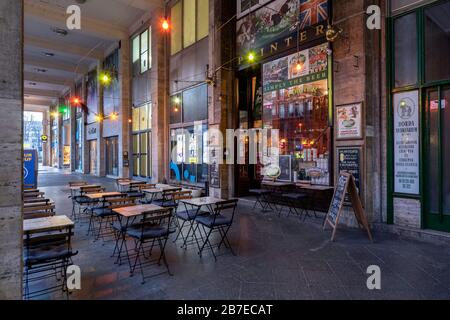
x,y
279,25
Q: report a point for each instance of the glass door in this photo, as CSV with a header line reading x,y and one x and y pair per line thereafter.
x,y
437,158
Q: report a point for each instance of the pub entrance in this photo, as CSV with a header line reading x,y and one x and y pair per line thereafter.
x,y
249,116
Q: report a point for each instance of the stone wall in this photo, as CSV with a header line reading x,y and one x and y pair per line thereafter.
x,y
11,155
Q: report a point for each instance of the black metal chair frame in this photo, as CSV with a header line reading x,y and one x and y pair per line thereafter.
x,y
222,229
46,268
151,220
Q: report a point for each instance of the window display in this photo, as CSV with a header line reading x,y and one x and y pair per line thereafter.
x,y
295,102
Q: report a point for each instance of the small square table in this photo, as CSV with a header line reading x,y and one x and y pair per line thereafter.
x,y
46,224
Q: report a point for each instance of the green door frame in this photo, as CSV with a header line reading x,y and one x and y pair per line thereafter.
x,y
421,86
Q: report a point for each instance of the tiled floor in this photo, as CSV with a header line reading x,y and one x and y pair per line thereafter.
x,y
277,258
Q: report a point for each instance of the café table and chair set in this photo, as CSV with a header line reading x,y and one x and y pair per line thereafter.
x,y
140,217
47,245
297,198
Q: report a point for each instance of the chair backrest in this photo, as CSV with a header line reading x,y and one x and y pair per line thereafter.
x,y
226,206
77,183
33,195
48,240
136,186
162,218
181,195
146,186
86,190
115,203
41,211
37,200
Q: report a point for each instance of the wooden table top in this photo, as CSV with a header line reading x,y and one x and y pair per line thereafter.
x,y
85,186
30,190
313,187
138,210
46,224
277,183
103,195
204,201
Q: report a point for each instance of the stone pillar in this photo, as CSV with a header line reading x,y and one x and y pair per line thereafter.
x,y
125,107
221,107
85,143
11,141
101,162
357,78
160,98
60,153
73,133
46,147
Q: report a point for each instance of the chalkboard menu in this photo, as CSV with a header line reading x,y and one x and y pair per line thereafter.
x,y
349,160
346,183
338,198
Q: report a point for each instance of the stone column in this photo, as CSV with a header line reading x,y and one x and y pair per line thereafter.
x,y
85,143
60,153
221,107
159,98
11,141
46,147
73,132
101,162
125,107
357,76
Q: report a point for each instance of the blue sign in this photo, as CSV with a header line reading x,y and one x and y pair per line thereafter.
x,y
30,169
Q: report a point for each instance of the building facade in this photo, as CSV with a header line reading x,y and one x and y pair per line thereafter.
x,y
343,95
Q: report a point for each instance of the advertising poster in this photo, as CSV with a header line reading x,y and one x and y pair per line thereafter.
x,y
275,20
284,73
349,121
30,169
406,142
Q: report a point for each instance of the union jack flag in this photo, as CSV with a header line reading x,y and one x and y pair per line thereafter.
x,y
312,12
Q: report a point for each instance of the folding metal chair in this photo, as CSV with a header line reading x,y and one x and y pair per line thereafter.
x,y
47,255
217,222
153,231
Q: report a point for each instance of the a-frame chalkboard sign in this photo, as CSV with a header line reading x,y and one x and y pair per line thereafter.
x,y
346,183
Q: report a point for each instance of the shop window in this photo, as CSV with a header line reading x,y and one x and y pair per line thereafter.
x,y
190,23
405,50
300,113
187,154
111,92
142,55
437,42
202,21
93,157
195,104
176,32
189,106
141,127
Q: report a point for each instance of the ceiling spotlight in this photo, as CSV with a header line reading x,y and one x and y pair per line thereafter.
x,y
32,83
41,70
60,31
49,54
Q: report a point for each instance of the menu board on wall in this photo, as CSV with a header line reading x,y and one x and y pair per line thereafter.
x,y
406,142
349,160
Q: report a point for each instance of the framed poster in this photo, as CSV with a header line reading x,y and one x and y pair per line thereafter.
x,y
214,150
285,168
349,121
406,142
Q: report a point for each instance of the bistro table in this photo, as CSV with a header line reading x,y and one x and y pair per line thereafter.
x,y
129,214
86,186
198,203
159,189
46,224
